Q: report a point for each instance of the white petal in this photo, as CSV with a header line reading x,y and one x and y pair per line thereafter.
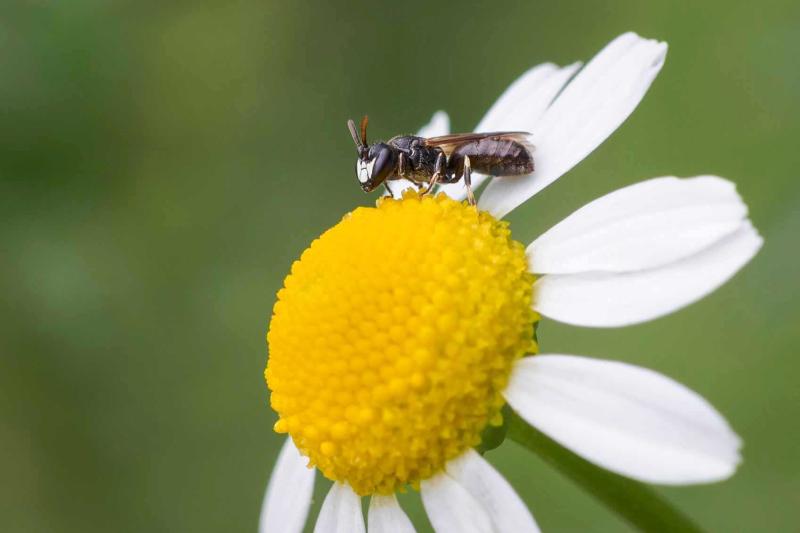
x,y
591,107
341,512
451,508
519,108
398,186
604,299
506,510
627,419
527,98
288,496
386,516
642,226
439,125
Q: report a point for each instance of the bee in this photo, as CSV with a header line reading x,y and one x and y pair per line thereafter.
x,y
425,162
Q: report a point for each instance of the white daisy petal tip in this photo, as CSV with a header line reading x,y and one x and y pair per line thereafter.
x,y
591,106
644,225
630,420
288,496
603,299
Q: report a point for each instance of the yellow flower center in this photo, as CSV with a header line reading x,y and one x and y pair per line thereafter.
x,y
394,337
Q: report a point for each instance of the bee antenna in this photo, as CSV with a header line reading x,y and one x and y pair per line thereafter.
x,y
364,129
354,133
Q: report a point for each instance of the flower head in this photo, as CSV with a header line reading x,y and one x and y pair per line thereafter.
x,y
401,332
381,379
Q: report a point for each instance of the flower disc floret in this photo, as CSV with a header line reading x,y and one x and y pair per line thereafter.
x,y
394,336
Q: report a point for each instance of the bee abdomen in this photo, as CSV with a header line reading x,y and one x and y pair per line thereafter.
x,y
497,157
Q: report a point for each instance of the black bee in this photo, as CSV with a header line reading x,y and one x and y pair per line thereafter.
x,y
446,159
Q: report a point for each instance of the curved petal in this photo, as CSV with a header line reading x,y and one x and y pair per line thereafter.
x,y
627,419
386,516
642,226
590,108
288,496
604,299
506,510
527,98
451,508
438,125
519,108
341,512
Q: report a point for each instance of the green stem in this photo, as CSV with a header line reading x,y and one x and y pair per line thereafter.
x,y
637,503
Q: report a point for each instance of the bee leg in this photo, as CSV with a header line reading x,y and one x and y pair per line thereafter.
x,y
468,180
401,165
438,172
389,191
431,184
402,171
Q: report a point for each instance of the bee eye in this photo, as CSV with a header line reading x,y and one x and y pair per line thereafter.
x,y
381,164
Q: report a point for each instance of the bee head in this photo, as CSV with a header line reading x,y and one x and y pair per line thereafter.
x,y
374,165
375,162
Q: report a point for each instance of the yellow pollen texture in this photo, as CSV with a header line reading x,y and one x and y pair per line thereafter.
x,y
393,338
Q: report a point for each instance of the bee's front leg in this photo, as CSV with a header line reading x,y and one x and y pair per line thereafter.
x,y
402,165
403,169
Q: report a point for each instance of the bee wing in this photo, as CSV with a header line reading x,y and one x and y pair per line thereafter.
x,y
448,143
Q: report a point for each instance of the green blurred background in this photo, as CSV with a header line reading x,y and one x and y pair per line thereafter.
x,y
162,164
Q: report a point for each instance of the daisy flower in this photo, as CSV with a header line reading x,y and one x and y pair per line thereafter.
x,y
401,332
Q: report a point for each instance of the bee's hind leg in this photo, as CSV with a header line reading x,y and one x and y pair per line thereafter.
x,y
468,180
